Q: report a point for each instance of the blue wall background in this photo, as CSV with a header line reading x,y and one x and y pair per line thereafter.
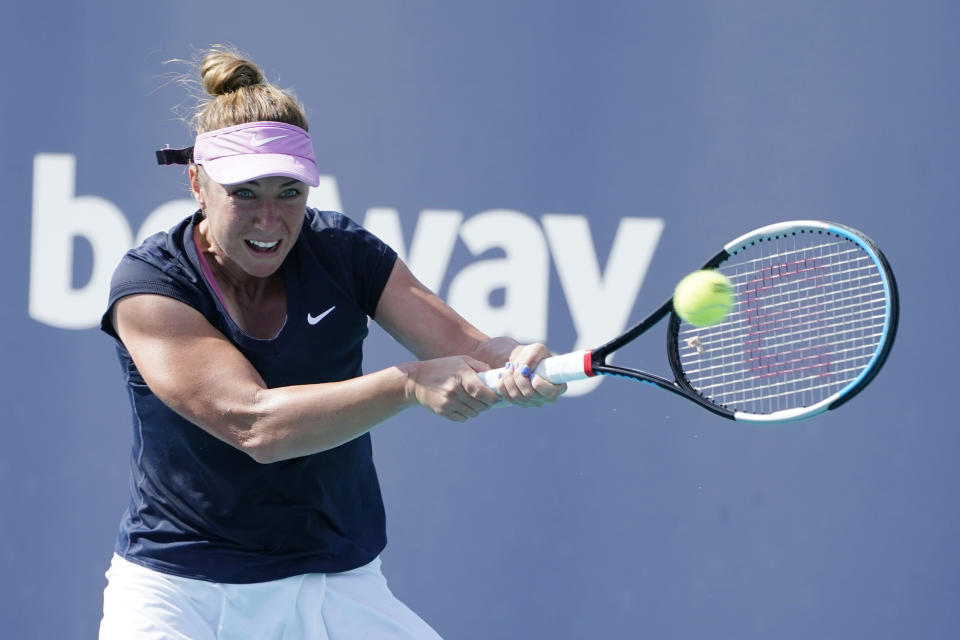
x,y
623,513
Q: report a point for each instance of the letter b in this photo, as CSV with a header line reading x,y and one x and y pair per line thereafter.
x,y
58,216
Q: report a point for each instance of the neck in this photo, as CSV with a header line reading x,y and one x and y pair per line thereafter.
x,y
257,305
230,280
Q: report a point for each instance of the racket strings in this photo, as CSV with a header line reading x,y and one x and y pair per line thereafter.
x,y
809,316
802,328
810,371
713,370
775,395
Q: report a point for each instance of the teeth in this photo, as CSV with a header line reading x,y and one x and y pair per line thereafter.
x,y
263,245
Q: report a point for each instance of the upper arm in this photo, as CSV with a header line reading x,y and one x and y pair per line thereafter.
x,y
421,321
189,365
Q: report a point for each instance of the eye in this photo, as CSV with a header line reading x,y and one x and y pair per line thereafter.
x,y
244,194
290,193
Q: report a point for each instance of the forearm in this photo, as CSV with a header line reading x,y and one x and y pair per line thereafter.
x,y
288,422
296,421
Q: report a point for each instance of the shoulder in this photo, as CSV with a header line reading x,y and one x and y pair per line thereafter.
x,y
336,234
160,251
333,223
358,260
159,265
161,259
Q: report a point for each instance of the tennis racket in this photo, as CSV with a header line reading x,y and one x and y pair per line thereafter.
x,y
814,317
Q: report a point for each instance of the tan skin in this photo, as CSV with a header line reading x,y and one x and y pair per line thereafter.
x,y
247,231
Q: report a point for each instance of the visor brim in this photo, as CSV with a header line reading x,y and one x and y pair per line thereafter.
x,y
246,167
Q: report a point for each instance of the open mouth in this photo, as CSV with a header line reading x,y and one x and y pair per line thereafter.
x,y
259,246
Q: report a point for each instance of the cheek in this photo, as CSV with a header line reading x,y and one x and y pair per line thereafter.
x,y
296,219
223,225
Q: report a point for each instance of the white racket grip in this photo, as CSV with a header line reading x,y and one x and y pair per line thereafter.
x,y
556,369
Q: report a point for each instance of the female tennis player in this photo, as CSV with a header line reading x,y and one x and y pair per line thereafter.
x,y
255,509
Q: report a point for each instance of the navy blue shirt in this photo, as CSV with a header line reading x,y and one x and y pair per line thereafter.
x,y
201,508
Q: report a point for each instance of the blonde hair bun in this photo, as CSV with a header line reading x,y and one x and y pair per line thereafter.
x,y
239,93
225,70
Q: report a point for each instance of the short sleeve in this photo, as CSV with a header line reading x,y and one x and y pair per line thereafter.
x,y
153,268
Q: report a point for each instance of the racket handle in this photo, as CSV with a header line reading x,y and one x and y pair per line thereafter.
x,y
556,369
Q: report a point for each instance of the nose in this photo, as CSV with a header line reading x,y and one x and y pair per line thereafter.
x,y
268,216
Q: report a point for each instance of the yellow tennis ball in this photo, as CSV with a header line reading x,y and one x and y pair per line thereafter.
x,y
703,298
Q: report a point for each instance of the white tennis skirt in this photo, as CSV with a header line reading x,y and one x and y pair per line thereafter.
x,y
143,604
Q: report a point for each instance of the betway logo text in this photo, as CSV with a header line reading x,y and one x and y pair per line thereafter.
x,y
599,300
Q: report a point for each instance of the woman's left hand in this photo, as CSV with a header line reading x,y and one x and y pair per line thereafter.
x,y
519,384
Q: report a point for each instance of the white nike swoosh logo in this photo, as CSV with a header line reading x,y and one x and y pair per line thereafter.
x,y
312,320
255,142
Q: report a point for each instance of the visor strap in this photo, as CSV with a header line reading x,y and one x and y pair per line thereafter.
x,y
175,156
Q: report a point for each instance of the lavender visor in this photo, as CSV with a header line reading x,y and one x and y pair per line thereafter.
x,y
250,151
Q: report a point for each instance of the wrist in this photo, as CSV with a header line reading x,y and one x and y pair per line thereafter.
x,y
408,389
495,351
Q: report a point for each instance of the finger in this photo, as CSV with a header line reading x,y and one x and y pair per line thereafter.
x,y
522,375
455,416
473,407
508,384
548,391
455,408
479,391
518,388
475,389
470,407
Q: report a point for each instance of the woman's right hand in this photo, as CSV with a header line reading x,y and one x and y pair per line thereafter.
x,y
450,387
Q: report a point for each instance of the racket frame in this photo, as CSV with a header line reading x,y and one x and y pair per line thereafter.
x,y
682,387
587,363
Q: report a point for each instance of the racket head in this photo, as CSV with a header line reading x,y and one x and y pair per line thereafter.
x,y
814,318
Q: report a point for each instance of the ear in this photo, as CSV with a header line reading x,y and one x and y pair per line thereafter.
x,y
195,188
